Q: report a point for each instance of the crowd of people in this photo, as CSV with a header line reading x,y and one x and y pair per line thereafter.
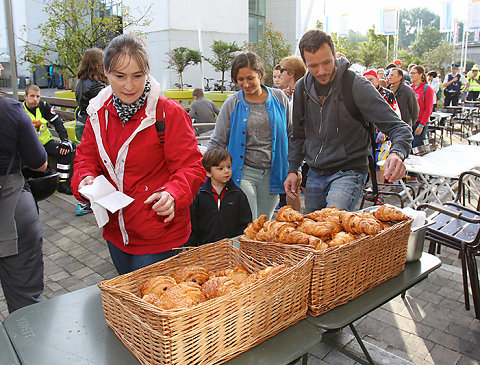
x,y
265,143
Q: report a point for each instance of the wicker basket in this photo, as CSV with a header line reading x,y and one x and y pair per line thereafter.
x,y
342,273
216,330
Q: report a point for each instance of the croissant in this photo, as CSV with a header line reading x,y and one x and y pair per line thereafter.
x,y
273,229
238,274
157,285
341,238
262,235
286,234
353,223
323,230
182,295
324,213
217,286
253,228
387,213
152,299
195,274
288,214
271,270
321,245
335,221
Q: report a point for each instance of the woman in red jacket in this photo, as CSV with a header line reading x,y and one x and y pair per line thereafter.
x,y
424,95
145,146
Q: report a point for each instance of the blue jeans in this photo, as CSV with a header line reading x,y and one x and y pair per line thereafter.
x,y
342,190
256,186
125,262
418,140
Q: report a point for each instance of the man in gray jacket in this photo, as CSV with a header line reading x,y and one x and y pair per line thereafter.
x,y
406,98
334,144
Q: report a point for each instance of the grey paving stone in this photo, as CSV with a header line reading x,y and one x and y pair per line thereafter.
x,y
443,355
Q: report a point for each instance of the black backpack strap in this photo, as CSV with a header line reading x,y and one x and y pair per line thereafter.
x,y
160,123
349,101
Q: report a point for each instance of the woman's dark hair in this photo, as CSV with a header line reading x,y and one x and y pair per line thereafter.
x,y
91,66
432,73
314,39
122,46
214,156
420,70
250,60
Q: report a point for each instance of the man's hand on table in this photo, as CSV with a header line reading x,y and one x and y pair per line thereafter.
x,y
394,168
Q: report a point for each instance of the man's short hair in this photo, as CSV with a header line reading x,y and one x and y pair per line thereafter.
x,y
31,87
432,73
314,39
390,65
198,93
214,156
294,64
399,72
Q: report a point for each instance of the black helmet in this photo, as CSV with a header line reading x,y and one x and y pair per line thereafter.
x,y
42,184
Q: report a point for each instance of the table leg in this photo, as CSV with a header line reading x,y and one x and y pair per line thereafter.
x,y
362,345
305,359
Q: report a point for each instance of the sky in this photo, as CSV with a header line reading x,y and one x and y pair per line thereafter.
x,y
363,14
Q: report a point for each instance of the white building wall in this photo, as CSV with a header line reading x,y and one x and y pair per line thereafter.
x,y
283,15
175,24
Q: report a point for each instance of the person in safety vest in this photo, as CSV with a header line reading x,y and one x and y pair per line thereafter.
x,y
474,80
41,114
453,83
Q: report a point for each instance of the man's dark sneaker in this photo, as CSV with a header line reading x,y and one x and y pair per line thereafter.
x,y
64,188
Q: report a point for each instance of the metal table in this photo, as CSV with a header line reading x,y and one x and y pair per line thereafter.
x,y
344,315
7,353
71,328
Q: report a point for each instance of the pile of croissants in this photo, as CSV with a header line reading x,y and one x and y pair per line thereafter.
x,y
191,285
323,228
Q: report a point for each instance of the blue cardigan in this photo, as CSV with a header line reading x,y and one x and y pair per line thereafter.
x,y
277,112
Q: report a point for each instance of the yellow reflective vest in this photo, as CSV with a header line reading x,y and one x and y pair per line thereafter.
x,y
42,132
474,83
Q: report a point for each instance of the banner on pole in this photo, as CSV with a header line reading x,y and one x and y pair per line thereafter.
x,y
387,24
446,19
473,15
343,24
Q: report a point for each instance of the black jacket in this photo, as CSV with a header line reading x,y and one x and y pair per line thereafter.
x,y
210,224
86,90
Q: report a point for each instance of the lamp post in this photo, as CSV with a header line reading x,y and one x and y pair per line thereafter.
x,y
11,47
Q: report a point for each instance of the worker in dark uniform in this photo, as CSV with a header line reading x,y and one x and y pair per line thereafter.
x,y
21,258
41,114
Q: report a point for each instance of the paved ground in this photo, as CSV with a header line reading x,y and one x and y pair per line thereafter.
x,y
431,326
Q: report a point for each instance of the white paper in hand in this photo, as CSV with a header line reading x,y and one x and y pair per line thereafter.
x,y
103,196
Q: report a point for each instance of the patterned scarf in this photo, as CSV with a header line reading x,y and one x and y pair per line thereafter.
x,y
126,111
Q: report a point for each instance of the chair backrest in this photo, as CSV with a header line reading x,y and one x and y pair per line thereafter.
x,y
461,185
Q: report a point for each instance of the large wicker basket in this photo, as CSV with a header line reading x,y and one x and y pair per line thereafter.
x,y
214,331
342,273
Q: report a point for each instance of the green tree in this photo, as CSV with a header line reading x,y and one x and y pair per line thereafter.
x,y
439,57
72,27
429,39
409,24
272,48
224,54
408,58
350,51
182,57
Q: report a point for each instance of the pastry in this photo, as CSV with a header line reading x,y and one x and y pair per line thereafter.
x,y
195,274
181,296
157,285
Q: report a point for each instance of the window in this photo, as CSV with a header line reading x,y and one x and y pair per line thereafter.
x,y
256,20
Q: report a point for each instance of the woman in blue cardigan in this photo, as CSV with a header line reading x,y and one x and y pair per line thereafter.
x,y
254,125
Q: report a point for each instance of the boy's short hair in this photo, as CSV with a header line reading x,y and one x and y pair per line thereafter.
x,y
214,156
198,93
31,87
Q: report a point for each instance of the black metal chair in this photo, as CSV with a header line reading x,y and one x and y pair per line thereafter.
x,y
458,226
386,190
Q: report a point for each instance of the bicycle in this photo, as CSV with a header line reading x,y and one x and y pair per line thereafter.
x,y
207,87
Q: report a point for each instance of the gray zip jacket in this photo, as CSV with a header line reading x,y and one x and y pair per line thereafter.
x,y
327,136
